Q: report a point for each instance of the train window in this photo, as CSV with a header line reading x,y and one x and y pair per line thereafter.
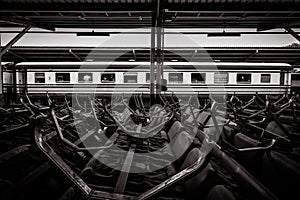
x,y
175,77
148,77
85,77
108,78
295,79
221,77
243,78
265,78
39,77
130,77
198,77
62,77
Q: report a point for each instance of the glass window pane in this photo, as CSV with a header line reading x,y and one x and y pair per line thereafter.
x,y
39,77
265,78
295,79
175,77
198,77
108,78
84,77
243,78
62,77
130,78
148,77
221,77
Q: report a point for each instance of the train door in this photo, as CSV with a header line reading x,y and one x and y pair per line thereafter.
x,y
295,79
8,83
21,79
285,80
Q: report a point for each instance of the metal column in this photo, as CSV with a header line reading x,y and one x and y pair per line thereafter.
x,y
1,79
14,40
159,62
295,35
152,57
4,50
159,27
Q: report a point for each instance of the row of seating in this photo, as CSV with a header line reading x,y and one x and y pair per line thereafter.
x,y
244,137
271,153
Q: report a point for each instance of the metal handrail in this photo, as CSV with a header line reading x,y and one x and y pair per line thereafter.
x,y
69,143
137,131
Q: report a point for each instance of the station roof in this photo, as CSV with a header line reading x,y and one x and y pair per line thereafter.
x,y
260,15
288,55
51,14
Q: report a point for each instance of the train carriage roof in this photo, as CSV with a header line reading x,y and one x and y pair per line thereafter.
x,y
145,65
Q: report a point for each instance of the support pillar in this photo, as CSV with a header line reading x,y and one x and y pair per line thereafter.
x,y
159,41
156,53
295,35
1,79
159,62
2,52
14,40
152,58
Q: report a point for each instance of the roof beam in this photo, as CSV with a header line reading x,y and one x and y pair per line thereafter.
x,y
120,48
134,55
293,33
233,6
16,55
281,25
251,55
1,79
25,22
152,58
73,54
14,40
159,44
86,7
194,54
191,32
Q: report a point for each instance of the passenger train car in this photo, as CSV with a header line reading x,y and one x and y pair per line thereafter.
x,y
183,77
295,80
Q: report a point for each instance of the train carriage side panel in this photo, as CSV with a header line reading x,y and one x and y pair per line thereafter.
x,y
74,77
96,77
140,77
233,69
287,79
186,76
30,77
256,78
295,81
209,77
50,78
119,78
275,79
232,78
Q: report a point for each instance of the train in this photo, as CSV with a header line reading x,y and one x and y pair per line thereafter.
x,y
125,77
